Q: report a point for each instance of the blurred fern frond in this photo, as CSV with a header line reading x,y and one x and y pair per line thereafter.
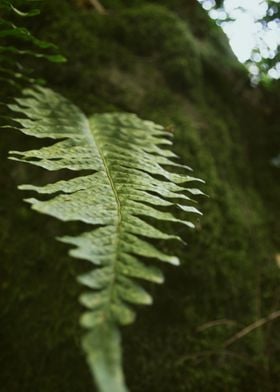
x,y
17,43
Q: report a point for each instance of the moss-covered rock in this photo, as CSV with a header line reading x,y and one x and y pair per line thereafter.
x,y
167,62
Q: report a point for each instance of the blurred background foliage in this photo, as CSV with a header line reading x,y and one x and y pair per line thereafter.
x,y
264,61
167,61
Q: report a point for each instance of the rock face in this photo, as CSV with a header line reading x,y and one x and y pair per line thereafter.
x,y
168,62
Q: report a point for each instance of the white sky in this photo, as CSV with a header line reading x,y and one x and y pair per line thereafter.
x,y
245,32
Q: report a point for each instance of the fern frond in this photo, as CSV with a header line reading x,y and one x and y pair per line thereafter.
x,y
128,158
17,42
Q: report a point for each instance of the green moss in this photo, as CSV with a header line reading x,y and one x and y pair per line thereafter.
x,y
168,63
170,43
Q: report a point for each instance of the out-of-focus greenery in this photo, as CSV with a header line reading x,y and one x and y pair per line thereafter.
x,y
17,43
264,64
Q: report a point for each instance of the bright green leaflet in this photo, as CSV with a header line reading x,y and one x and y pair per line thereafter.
x,y
129,181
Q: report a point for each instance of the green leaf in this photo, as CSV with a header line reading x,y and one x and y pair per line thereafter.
x,y
11,71
106,357
129,182
32,12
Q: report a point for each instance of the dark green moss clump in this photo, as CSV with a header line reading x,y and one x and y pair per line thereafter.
x,y
167,62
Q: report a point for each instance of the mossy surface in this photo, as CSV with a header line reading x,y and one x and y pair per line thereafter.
x,y
167,62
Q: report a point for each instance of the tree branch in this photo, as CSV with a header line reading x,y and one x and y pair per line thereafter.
x,y
98,6
245,331
215,323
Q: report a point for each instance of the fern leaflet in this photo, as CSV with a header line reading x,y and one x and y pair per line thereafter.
x,y
16,42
